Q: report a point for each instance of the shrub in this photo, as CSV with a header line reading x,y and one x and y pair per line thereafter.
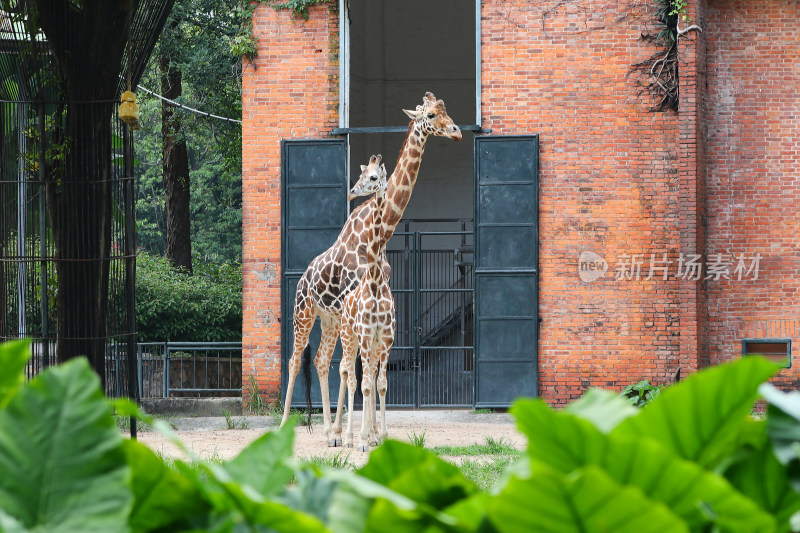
x,y
694,460
173,306
642,393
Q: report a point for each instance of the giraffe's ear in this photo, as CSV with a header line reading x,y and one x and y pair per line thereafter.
x,y
363,168
383,169
412,114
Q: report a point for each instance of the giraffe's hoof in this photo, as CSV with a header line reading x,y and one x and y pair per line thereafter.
x,y
333,443
347,445
363,448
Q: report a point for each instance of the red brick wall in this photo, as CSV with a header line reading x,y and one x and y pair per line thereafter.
x,y
291,90
692,190
616,178
752,108
608,183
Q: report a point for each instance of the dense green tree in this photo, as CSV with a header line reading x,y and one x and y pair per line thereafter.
x,y
194,65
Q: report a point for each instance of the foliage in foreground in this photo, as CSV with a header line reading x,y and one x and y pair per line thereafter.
x,y
693,460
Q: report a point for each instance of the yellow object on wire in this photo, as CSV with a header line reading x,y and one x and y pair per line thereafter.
x,y
128,110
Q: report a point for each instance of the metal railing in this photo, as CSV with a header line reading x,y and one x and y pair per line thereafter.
x,y
189,369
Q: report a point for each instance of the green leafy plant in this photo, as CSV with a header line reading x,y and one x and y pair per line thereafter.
x,y
232,423
694,460
171,306
642,393
418,439
255,404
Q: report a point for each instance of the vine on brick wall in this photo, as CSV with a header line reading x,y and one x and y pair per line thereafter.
x,y
244,44
662,68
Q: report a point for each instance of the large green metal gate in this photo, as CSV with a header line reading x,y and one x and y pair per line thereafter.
x,y
314,209
436,359
506,268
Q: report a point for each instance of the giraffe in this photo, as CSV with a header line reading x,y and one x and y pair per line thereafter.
x,y
337,270
368,319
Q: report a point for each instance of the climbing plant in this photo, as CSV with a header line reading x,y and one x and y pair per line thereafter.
x,y
661,69
244,44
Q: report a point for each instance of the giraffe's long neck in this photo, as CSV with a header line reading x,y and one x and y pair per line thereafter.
x,y
402,181
374,267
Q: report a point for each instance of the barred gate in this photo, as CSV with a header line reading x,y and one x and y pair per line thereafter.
x,y
432,360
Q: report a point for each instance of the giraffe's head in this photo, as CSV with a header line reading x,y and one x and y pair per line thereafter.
x,y
434,119
372,179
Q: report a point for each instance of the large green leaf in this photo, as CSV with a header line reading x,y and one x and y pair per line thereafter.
x,y
61,458
348,510
371,506
8,524
471,514
311,493
262,465
699,417
162,496
567,443
230,496
417,474
783,428
584,500
13,357
603,408
761,477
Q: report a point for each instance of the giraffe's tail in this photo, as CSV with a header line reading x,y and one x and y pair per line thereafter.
x,y
306,368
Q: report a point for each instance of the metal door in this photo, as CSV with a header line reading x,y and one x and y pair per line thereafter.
x,y
506,268
314,209
432,363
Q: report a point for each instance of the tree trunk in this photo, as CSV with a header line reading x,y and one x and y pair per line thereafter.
x,y
88,45
176,173
82,229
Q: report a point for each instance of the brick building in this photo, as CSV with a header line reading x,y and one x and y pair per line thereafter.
x,y
550,84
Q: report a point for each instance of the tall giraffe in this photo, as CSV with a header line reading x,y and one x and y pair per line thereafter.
x,y
368,320
337,270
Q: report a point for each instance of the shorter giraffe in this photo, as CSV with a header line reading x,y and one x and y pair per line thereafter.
x,y
368,320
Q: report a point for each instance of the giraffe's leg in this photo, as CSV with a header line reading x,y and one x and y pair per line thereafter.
x,y
346,370
352,383
367,390
335,438
373,436
303,321
383,385
330,332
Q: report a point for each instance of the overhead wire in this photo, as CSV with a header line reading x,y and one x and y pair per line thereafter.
x,y
186,107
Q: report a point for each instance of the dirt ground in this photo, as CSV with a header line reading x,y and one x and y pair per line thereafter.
x,y
210,438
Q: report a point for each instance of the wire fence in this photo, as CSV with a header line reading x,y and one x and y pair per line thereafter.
x,y
67,257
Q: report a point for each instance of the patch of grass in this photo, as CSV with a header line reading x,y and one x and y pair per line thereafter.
x,y
418,439
338,461
232,423
491,446
482,411
255,404
486,473
124,423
